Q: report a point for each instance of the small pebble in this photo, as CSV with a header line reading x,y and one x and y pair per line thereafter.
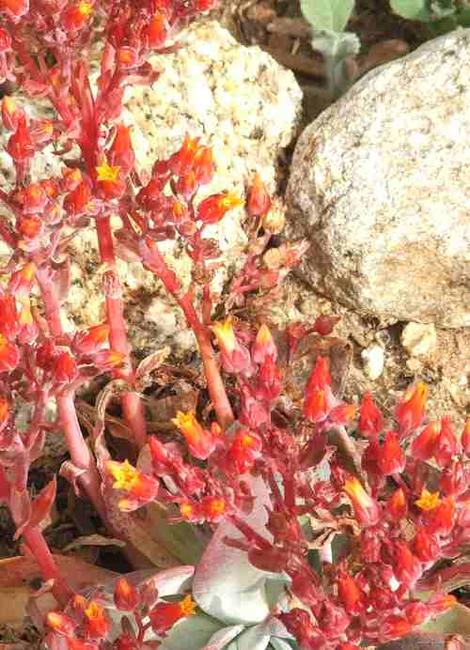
x,y
419,339
373,359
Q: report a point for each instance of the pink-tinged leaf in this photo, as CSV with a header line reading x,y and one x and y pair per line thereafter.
x,y
19,579
20,507
456,620
93,540
259,636
226,585
41,507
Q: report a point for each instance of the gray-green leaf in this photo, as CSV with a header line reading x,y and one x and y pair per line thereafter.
x,y
192,633
411,9
327,14
336,46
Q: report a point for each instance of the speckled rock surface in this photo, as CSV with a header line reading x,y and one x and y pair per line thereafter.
x,y
238,100
380,183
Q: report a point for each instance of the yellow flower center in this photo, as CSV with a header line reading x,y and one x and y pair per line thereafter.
x,y
229,201
107,172
93,611
125,475
187,606
428,500
225,335
217,507
188,425
85,8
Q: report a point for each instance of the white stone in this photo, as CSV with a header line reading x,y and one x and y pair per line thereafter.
x,y
419,339
373,359
380,184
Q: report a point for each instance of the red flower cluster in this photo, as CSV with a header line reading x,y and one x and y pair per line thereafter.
x,y
86,623
399,500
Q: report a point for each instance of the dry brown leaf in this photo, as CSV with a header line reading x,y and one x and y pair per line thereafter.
x,y
20,578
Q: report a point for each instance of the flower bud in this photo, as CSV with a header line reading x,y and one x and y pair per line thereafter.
x,y
9,355
350,594
65,368
264,346
156,32
391,458
10,113
213,208
20,145
259,201
397,506
200,441
91,340
97,624
14,9
164,615
446,446
319,399
121,152
126,596
424,445
366,509
61,623
410,410
425,546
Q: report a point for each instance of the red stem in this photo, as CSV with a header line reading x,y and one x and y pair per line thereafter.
x,y
50,571
39,549
131,402
132,405
155,262
79,452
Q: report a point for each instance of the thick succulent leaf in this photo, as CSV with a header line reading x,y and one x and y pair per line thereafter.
x,y
226,585
282,644
222,638
455,621
259,636
180,539
193,633
327,14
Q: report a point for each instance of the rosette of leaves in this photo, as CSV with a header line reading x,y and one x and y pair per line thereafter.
x,y
328,19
